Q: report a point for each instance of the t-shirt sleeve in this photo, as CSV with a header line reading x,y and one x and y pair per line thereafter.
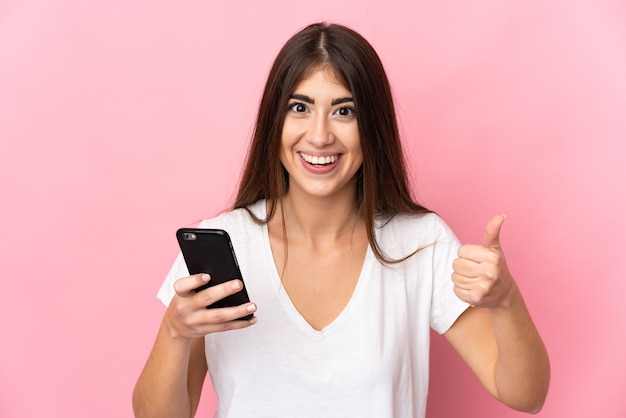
x,y
177,271
446,307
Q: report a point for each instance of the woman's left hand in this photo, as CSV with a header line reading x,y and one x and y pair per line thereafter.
x,y
481,276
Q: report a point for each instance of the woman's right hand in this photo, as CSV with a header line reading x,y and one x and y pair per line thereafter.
x,y
187,316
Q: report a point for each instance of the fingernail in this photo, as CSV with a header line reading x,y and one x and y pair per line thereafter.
x,y
251,307
205,277
235,285
253,320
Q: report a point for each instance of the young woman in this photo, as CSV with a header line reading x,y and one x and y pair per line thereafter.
x,y
347,271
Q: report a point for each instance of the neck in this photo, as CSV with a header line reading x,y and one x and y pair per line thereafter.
x,y
313,218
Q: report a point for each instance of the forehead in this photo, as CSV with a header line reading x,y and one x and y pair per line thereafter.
x,y
323,77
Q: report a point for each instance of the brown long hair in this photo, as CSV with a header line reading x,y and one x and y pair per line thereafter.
x,y
382,183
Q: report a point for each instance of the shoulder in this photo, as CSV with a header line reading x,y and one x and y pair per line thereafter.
x,y
239,218
240,224
422,225
405,233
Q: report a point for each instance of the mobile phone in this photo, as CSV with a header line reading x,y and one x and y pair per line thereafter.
x,y
211,251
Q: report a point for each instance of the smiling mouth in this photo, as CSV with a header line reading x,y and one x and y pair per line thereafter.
x,y
319,161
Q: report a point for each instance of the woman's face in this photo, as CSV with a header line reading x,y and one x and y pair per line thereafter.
x,y
320,145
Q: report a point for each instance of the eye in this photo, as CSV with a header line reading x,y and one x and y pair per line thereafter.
x,y
298,107
345,111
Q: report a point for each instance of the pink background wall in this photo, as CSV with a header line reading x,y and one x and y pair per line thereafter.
x,y
123,120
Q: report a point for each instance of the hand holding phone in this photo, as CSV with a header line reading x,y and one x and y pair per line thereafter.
x,y
211,251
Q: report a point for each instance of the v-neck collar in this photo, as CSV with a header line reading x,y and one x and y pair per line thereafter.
x,y
290,309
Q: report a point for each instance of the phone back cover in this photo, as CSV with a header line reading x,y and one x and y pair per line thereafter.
x,y
211,252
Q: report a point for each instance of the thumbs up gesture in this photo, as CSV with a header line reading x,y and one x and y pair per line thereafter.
x,y
481,276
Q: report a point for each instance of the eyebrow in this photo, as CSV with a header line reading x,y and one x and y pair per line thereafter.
x,y
307,99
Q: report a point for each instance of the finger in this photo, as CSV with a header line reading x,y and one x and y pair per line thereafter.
x,y
212,294
492,231
472,290
476,253
186,286
469,296
461,282
467,267
230,325
229,314
239,324
206,321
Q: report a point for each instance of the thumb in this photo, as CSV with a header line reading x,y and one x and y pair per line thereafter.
x,y
492,231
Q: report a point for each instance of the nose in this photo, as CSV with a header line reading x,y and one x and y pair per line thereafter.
x,y
319,132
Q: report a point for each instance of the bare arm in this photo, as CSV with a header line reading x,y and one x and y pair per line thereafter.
x,y
171,381
165,387
506,353
497,337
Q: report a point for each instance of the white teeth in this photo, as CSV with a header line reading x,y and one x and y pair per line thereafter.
x,y
314,159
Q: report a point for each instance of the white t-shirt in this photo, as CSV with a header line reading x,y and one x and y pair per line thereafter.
x,y
371,361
